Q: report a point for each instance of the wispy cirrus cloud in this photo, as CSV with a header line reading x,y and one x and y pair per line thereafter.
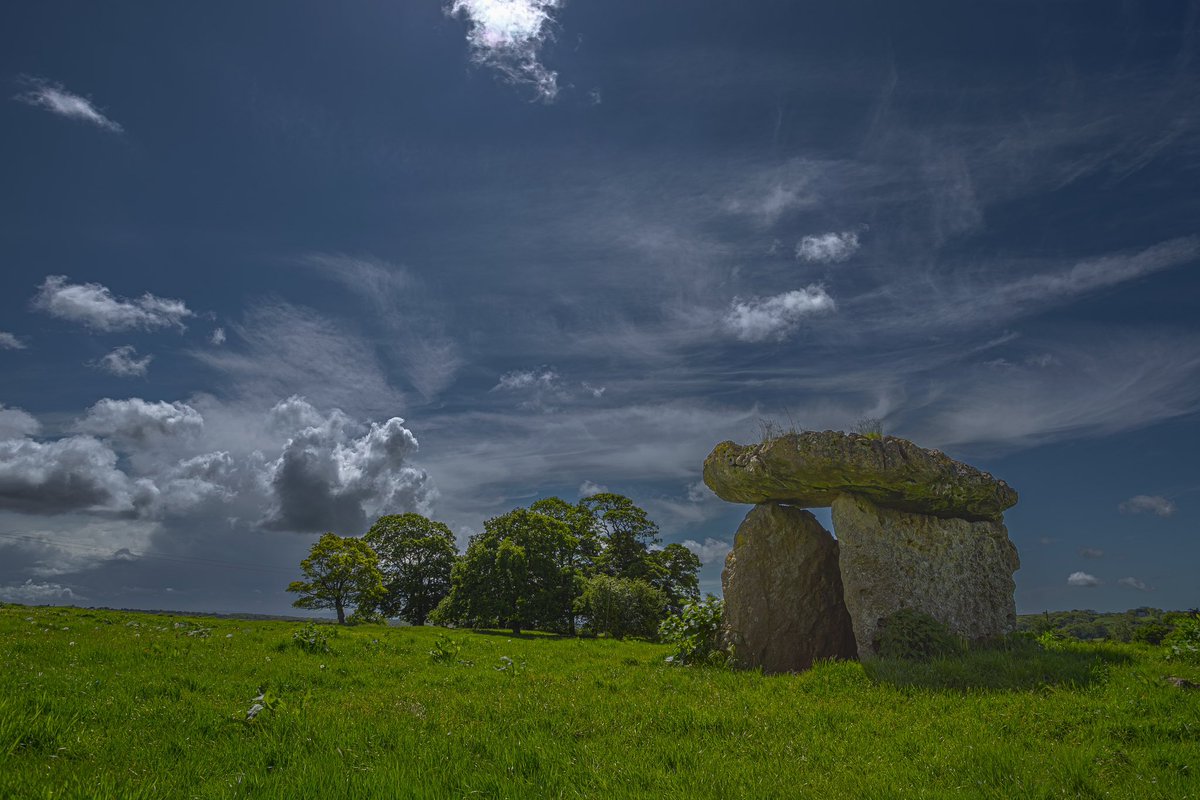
x,y
1154,504
94,306
124,362
54,98
760,319
508,36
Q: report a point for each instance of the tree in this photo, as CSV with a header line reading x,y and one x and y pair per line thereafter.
x,y
415,556
626,532
673,571
621,607
340,572
515,574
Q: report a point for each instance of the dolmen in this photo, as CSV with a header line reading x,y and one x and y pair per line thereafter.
x,y
915,530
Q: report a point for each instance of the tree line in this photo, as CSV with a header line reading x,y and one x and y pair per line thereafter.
x,y
592,566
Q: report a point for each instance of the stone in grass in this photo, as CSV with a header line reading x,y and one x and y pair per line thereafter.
x,y
958,572
783,592
810,469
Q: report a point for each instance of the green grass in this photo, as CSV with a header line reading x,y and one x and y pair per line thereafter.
x,y
98,704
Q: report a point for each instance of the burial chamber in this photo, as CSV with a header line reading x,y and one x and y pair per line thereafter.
x,y
915,529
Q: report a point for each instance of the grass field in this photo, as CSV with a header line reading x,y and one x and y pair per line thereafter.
x,y
99,704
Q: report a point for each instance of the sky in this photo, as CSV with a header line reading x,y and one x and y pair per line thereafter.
x,y
270,269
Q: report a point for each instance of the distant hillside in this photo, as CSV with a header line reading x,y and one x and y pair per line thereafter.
x,y
1146,624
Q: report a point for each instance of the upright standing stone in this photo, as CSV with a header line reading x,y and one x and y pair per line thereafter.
x,y
783,592
958,572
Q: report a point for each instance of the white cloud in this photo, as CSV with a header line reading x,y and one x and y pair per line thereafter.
x,y
124,362
217,337
71,474
828,248
57,100
32,594
136,421
507,35
328,479
94,306
1134,583
1148,504
590,488
10,342
1083,579
1091,552
776,317
594,391
712,549
17,424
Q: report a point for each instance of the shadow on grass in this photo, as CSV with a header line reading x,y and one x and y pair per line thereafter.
x,y
521,635
1016,666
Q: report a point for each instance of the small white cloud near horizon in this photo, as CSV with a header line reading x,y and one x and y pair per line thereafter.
x,y
507,35
758,319
591,488
1148,504
10,342
1083,579
1134,583
828,248
57,100
711,550
94,306
37,594
124,362
526,379
1091,552
217,337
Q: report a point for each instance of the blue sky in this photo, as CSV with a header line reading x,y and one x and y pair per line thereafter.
x,y
271,269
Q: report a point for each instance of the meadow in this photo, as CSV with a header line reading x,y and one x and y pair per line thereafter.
x,y
105,704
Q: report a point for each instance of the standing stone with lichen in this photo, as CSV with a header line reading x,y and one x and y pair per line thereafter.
x,y
916,530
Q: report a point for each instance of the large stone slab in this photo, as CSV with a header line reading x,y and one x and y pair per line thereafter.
x,y
783,592
958,572
810,469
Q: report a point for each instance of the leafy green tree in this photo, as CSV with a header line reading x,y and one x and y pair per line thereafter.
x,y
339,572
674,572
517,574
621,607
416,555
626,532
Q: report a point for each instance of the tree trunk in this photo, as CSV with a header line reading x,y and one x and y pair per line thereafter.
x,y
341,612
516,629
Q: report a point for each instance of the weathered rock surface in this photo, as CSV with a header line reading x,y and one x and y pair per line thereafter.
x,y
958,572
783,592
810,469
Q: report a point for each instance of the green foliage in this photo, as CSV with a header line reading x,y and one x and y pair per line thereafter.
x,y
416,556
695,633
621,607
446,651
312,638
626,533
911,635
674,571
1120,626
1183,643
516,574
341,572
1151,633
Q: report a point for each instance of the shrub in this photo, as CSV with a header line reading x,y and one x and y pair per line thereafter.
x,y
1151,633
366,616
911,635
621,607
696,633
1183,643
312,638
